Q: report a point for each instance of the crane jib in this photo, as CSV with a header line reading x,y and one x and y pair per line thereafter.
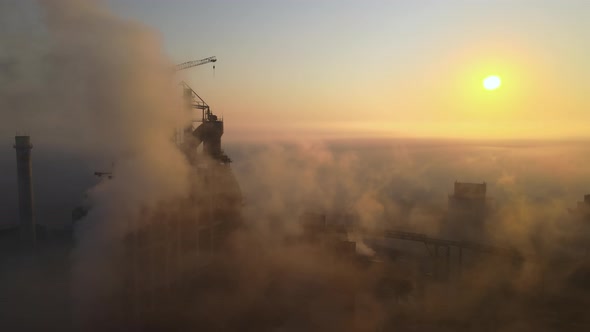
x,y
190,64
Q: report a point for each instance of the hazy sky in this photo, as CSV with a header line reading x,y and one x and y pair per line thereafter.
x,y
393,68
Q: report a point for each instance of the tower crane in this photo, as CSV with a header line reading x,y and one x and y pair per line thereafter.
x,y
194,100
210,129
194,63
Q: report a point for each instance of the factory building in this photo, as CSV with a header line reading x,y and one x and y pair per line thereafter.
x,y
180,241
468,197
329,234
468,208
582,209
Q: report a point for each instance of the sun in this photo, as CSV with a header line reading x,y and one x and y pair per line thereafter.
x,y
492,82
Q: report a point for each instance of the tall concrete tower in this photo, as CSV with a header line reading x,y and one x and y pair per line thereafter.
x,y
24,169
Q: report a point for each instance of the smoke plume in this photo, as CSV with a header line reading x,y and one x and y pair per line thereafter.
x,y
85,82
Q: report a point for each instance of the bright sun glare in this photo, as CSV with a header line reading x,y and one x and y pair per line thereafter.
x,y
492,82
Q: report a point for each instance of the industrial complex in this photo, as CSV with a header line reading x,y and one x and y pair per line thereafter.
x,y
186,265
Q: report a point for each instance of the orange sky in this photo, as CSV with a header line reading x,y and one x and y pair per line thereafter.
x,y
385,68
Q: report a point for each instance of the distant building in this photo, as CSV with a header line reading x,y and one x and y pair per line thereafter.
x,y
469,206
313,225
333,236
582,209
469,197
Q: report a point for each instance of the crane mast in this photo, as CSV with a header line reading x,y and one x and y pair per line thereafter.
x,y
194,101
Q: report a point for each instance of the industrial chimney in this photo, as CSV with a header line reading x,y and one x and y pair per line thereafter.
x,y
24,169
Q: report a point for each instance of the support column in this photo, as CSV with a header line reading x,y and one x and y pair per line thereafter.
x,y
448,263
460,263
24,169
436,271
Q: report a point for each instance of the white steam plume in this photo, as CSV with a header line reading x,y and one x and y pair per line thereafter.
x,y
80,79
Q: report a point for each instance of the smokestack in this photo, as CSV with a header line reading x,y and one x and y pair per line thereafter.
x,y
24,169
